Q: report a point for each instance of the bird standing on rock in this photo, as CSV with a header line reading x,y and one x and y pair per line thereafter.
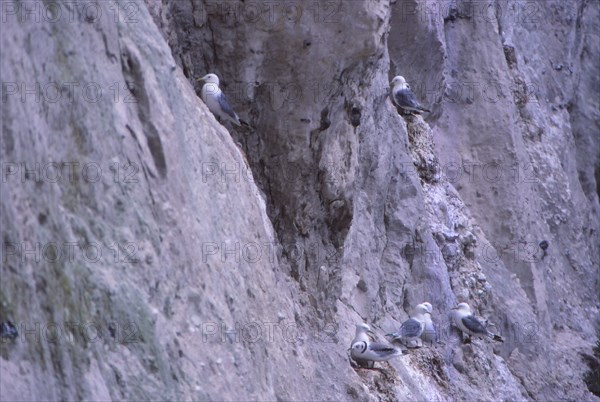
x,y
429,334
468,324
412,329
403,96
216,101
365,353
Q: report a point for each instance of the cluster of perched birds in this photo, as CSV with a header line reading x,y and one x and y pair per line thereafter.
x,y
217,102
418,328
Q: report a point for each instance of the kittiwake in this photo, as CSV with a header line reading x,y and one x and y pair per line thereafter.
x,y
365,353
429,334
404,97
411,330
468,324
216,101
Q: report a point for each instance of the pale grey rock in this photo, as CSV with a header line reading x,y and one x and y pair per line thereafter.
x,y
326,174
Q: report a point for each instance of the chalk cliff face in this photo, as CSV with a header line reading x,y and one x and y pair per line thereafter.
x,y
150,253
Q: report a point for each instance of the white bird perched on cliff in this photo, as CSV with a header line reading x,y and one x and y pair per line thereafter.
x,y
215,99
429,334
412,329
366,353
404,97
468,324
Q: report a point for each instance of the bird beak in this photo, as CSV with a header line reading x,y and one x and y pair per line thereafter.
x,y
454,308
201,78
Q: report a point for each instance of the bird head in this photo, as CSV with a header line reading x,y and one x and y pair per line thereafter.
x,y
462,307
428,307
364,328
210,79
399,82
421,309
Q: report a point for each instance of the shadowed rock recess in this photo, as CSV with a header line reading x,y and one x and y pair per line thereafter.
x,y
150,253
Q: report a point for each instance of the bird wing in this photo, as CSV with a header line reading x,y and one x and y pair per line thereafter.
x,y
381,347
380,351
406,99
411,328
226,107
473,325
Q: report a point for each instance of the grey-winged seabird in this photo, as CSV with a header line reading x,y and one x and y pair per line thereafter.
x,y
468,324
215,99
403,96
411,330
365,353
429,334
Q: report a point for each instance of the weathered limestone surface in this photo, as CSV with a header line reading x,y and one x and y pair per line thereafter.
x,y
151,253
